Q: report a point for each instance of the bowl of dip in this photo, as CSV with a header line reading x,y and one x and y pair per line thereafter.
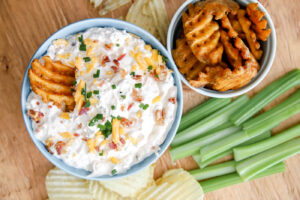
x,y
266,61
146,99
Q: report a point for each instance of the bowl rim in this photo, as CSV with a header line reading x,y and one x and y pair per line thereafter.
x,y
272,40
129,28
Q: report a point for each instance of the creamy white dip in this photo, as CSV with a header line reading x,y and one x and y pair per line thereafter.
x,y
83,145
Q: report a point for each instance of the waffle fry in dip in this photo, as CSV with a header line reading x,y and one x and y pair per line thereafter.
x,y
220,48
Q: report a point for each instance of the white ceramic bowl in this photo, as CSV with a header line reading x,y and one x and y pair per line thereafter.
x,y
269,48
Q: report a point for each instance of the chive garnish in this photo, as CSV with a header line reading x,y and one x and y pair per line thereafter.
x,y
138,85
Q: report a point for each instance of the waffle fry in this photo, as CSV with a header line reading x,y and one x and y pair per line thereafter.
x,y
53,82
250,35
185,60
259,24
236,25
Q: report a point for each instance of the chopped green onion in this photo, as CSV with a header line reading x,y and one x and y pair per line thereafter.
x,y
268,94
138,85
113,172
87,104
117,45
97,74
274,116
243,152
132,73
74,82
105,129
80,38
114,86
165,59
96,91
213,120
87,59
194,146
95,119
101,153
89,94
156,75
150,68
144,106
252,166
123,96
232,179
214,171
113,107
82,47
202,111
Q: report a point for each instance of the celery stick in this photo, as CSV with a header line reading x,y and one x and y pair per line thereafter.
x,y
252,166
197,157
202,111
214,171
243,152
194,146
269,119
232,179
213,120
222,145
264,97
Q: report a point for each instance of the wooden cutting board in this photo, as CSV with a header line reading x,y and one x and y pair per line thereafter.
x,y
24,25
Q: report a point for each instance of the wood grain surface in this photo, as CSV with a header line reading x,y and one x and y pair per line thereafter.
x,y
24,25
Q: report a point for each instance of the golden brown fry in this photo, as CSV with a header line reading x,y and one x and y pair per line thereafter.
x,y
47,74
221,8
53,82
236,25
227,25
250,35
187,63
259,24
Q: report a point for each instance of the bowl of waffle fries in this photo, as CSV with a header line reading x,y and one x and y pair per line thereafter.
x,y
54,83
222,48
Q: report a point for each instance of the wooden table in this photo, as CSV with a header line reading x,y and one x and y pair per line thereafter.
x,y
24,25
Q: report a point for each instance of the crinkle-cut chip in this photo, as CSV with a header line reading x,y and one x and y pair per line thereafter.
x,y
202,35
160,18
52,81
110,5
232,54
47,85
187,63
100,193
223,79
96,3
175,184
227,25
47,74
259,24
131,185
58,67
136,16
220,8
62,186
236,25
250,35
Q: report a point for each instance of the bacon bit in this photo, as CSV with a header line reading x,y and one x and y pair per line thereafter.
x,y
112,145
76,135
160,116
136,96
101,83
37,103
137,77
79,126
126,122
105,60
108,46
121,57
59,147
35,115
49,106
122,141
116,62
130,106
97,148
116,69
103,119
172,100
83,111
85,139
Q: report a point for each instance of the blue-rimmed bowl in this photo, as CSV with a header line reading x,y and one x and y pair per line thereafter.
x,y
269,49
81,26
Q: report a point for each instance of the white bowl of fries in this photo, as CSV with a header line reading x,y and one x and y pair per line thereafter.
x,y
264,54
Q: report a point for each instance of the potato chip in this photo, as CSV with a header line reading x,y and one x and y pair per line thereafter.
x,y
250,35
160,18
174,184
259,24
100,193
62,186
53,82
110,5
131,185
96,3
